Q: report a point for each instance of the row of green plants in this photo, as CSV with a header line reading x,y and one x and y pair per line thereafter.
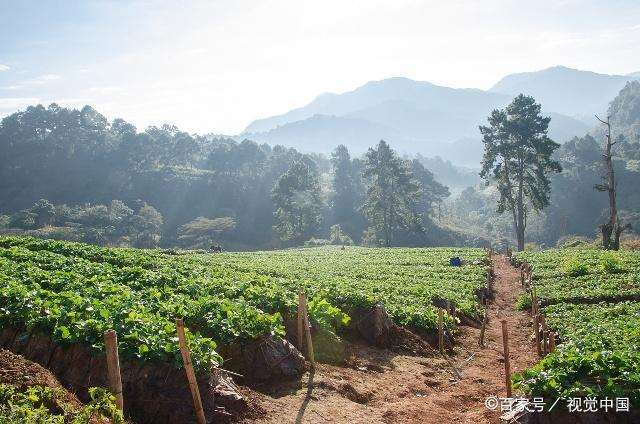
x,y
578,276
408,281
75,292
585,301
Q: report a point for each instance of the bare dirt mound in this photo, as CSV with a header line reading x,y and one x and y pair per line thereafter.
x,y
382,386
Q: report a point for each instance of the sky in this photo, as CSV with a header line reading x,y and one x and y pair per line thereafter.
x,y
214,66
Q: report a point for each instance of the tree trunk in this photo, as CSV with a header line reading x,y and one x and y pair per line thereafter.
x,y
613,226
520,225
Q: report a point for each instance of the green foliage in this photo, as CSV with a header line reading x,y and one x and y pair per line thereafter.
x,y
392,195
337,236
327,316
347,192
575,268
609,263
75,292
624,111
599,340
574,275
569,242
598,356
296,196
518,158
44,405
111,224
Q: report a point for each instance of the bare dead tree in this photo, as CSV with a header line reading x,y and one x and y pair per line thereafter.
x,y
614,227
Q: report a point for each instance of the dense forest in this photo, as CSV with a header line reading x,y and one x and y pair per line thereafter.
x,y
72,174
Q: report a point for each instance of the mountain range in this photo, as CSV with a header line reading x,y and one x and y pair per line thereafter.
x,y
421,117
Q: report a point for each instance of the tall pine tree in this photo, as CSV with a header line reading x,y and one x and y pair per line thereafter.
x,y
517,158
392,193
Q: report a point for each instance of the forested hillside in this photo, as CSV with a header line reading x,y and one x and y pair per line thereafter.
x,y
72,174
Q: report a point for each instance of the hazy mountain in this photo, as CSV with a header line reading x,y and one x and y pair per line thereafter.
x,y
322,133
563,128
564,90
420,117
406,100
414,116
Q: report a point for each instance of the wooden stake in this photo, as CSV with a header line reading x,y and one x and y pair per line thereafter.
x,y
545,345
113,367
521,277
300,321
307,328
484,326
191,375
507,364
552,341
440,331
536,328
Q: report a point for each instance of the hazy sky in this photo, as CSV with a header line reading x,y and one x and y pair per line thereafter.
x,y
214,66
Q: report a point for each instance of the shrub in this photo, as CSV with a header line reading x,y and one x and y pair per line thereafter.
x,y
609,263
574,268
532,247
568,242
338,236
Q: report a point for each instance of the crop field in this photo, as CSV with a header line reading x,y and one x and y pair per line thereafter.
x,y
589,299
75,292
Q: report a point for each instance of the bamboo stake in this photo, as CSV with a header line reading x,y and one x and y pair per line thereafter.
x,y
113,367
507,364
552,341
545,345
440,331
300,321
536,327
307,328
484,326
191,375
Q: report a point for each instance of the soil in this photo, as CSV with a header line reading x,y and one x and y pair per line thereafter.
x,y
384,386
17,371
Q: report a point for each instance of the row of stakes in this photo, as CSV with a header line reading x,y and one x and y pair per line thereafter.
x,y
545,339
113,361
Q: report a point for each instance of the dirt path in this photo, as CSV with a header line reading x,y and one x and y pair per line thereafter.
x,y
381,386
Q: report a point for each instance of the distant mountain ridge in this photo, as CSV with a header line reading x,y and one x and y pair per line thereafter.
x,y
421,117
565,90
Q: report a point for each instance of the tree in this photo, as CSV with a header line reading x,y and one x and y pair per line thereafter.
x,y
517,158
614,226
345,195
298,203
148,224
44,212
392,194
431,191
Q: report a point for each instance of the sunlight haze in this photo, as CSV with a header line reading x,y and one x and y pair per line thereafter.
x,y
216,66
